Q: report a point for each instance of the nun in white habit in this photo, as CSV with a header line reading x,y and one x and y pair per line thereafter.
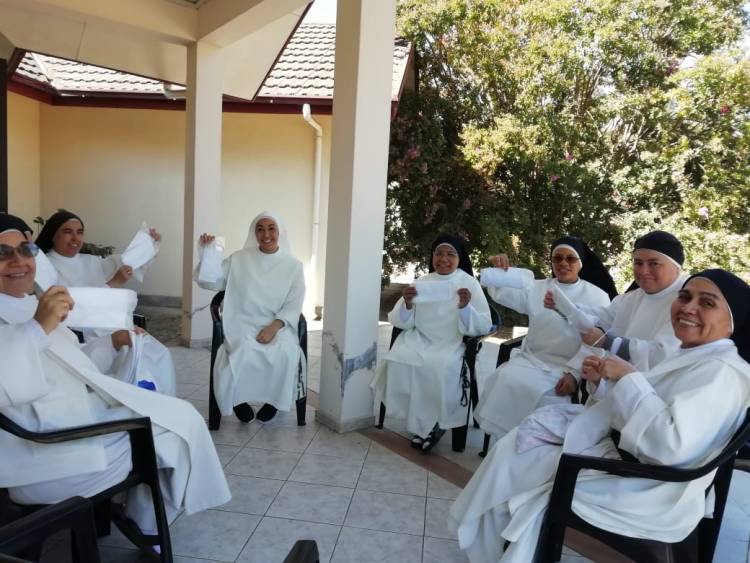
x,y
537,373
260,360
48,383
420,377
682,413
636,325
61,240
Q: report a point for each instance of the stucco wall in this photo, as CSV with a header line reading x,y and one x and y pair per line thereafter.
x,y
117,167
24,197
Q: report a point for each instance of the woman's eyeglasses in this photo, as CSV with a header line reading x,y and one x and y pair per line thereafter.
x,y
24,250
569,259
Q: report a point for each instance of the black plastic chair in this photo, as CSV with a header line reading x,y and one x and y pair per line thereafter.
x,y
303,551
144,471
699,546
217,338
29,532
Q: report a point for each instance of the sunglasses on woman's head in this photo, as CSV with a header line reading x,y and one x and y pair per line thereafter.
x,y
24,250
569,259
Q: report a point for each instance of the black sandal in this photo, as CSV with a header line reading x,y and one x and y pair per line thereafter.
x,y
416,442
244,412
432,440
266,413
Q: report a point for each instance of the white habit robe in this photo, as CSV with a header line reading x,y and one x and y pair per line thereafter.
x,y
644,320
682,413
419,378
154,360
528,379
259,287
47,383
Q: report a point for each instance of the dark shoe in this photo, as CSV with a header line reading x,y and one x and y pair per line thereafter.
x,y
432,440
416,442
244,412
266,413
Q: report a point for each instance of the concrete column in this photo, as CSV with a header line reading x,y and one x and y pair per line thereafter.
x,y
3,136
356,210
202,180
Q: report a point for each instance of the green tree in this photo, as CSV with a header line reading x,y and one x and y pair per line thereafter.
x,y
541,117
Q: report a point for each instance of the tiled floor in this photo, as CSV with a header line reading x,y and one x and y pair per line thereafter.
x,y
360,501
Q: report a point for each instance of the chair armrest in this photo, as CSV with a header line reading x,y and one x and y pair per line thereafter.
x,y
576,463
131,425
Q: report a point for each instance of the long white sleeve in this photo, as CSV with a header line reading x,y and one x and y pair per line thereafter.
x,y
22,379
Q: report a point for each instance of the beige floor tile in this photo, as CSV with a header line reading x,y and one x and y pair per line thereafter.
x,y
212,534
436,519
232,432
274,537
312,503
327,470
387,512
290,439
351,445
393,476
371,546
437,487
269,464
442,551
251,495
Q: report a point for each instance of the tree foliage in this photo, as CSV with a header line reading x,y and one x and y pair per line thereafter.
x,y
602,118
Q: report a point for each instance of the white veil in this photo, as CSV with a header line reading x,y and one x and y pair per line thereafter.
x,y
252,242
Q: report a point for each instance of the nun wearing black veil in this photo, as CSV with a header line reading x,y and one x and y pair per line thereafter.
x,y
419,378
680,412
537,373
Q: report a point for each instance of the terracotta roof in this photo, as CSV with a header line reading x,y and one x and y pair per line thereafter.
x,y
304,70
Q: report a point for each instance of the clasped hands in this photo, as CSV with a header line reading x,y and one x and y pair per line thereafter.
x,y
611,368
410,292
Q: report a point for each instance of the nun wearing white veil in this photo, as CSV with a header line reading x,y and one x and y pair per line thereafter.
x,y
260,360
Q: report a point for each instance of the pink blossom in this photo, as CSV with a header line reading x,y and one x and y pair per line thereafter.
x,y
568,156
413,152
724,109
554,178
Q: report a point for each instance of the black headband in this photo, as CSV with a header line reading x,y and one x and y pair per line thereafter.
x,y
737,294
44,240
592,269
464,262
663,242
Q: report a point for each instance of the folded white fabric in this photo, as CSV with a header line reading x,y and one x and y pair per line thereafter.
x,y
211,258
433,292
513,278
546,425
102,307
141,250
46,275
582,322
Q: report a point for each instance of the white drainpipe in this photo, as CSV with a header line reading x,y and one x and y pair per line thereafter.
x,y
307,116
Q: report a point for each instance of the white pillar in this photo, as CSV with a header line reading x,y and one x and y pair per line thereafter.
x,y
356,212
202,180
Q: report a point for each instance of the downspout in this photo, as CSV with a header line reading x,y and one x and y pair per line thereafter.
x,y
307,116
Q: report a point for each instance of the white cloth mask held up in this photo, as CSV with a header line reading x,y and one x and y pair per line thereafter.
x,y
582,322
584,352
211,258
102,307
513,278
141,250
46,275
433,291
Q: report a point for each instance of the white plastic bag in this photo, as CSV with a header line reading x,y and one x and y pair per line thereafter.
x,y
210,269
433,292
46,275
102,307
513,278
141,250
